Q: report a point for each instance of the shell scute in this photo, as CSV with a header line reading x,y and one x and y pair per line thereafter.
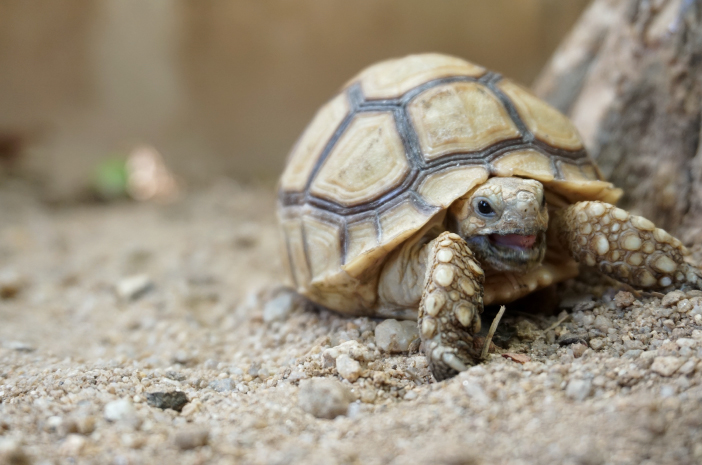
x,y
392,78
459,117
306,152
368,160
545,122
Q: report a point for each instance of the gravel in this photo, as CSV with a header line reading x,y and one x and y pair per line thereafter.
x,y
627,390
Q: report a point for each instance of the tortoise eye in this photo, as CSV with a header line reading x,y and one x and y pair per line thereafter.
x,y
485,208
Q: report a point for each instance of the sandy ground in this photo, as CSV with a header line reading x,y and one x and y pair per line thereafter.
x,y
101,306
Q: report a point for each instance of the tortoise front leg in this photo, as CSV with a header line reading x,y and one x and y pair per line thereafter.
x,y
452,301
626,247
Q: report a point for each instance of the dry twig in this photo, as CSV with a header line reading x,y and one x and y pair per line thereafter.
x,y
493,328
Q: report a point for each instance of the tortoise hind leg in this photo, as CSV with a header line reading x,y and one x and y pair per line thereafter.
x,y
626,247
451,304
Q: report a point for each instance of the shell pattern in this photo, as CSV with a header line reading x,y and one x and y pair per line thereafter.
x,y
397,146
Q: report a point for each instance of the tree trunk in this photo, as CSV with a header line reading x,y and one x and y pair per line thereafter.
x,y
630,77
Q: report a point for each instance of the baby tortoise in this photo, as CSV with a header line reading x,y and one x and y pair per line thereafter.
x,y
430,187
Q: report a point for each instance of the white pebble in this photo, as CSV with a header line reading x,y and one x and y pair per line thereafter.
x,y
73,445
579,389
133,287
279,308
686,342
666,366
348,368
123,411
324,398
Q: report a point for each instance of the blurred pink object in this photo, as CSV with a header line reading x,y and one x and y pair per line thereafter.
x,y
148,178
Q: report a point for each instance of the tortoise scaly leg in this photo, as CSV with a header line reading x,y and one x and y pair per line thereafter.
x,y
452,301
626,247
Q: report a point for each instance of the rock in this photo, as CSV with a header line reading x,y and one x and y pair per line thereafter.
x,y
279,308
12,453
578,349
191,438
672,298
11,283
624,299
602,323
353,349
174,400
570,339
688,367
20,346
222,385
666,366
686,342
684,306
633,344
85,424
134,287
597,343
395,336
122,411
73,445
633,354
324,398
348,368
578,389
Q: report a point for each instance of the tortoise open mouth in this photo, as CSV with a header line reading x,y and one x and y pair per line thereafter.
x,y
509,252
515,241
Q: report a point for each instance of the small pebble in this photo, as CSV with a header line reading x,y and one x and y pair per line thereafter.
x,y
632,354
191,438
12,453
134,287
348,368
279,308
578,389
174,400
602,323
396,336
624,299
578,349
672,298
597,343
73,445
686,342
20,346
222,385
123,411
324,397
10,284
666,366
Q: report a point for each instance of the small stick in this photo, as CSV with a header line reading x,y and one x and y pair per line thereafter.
x,y
555,325
493,328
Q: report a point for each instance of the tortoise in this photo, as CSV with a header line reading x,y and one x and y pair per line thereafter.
x,y
430,187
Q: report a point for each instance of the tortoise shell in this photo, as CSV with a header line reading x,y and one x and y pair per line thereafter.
x,y
384,159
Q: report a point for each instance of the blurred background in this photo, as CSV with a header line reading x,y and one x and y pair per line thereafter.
x,y
220,87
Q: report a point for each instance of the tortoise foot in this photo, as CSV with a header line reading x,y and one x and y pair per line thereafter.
x,y
626,247
452,301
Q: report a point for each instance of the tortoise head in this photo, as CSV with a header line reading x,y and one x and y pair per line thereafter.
x,y
504,222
